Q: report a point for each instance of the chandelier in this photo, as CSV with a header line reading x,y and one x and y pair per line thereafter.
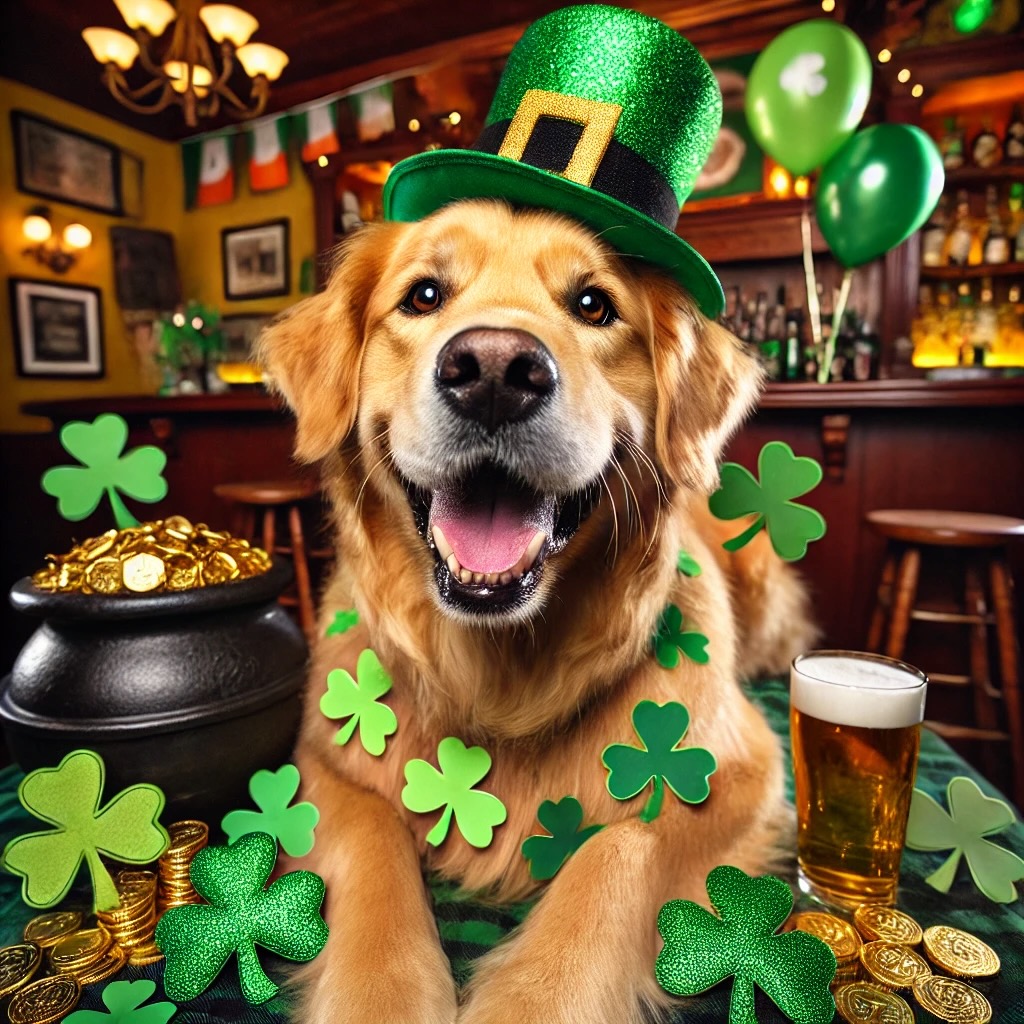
x,y
183,70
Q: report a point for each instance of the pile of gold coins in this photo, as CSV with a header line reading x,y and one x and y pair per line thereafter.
x,y
879,964
165,555
72,954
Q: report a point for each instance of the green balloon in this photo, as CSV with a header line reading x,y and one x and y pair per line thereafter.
x,y
807,92
877,191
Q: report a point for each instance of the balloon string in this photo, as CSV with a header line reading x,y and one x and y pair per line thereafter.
x,y
812,285
837,319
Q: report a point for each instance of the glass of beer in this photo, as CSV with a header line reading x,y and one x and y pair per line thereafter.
x,y
855,722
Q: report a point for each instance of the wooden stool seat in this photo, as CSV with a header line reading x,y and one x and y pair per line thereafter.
x,y
949,529
267,492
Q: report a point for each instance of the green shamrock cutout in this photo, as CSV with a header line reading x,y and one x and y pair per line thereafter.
x,y
124,1000
426,789
687,564
784,476
68,796
547,854
239,915
660,728
971,817
793,969
358,702
272,792
670,638
104,470
343,622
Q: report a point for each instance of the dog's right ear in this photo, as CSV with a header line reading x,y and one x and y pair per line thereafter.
x,y
313,351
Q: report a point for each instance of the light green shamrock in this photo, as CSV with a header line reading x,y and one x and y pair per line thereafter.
x,y
104,470
784,476
358,702
273,792
68,796
343,622
426,789
670,638
971,817
124,1000
687,564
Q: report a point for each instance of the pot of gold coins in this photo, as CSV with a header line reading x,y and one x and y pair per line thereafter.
x,y
162,648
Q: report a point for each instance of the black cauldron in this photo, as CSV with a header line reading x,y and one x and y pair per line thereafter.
x,y
192,691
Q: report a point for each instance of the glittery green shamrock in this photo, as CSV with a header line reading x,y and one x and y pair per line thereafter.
x,y
239,915
124,1000
971,817
343,622
660,728
426,789
784,476
68,796
794,969
104,470
687,564
358,702
670,638
546,854
272,793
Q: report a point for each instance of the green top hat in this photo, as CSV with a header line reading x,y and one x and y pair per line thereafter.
x,y
602,113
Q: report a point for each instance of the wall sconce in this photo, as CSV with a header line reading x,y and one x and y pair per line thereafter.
x,y
59,254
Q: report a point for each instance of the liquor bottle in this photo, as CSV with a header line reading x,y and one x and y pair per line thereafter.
x,y
986,324
1016,232
986,151
1008,348
934,234
997,244
792,350
965,319
951,145
958,241
1013,141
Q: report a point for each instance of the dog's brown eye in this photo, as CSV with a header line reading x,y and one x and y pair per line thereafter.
x,y
423,297
595,307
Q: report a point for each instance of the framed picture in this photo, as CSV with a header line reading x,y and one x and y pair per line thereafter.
x,y
145,270
240,332
255,260
59,163
57,328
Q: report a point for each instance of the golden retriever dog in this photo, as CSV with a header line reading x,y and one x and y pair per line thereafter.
x,y
518,429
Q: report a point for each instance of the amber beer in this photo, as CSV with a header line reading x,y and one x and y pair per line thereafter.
x,y
855,726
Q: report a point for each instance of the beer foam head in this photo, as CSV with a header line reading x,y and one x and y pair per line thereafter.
x,y
859,690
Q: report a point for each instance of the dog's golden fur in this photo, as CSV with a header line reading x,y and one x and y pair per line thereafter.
x,y
544,696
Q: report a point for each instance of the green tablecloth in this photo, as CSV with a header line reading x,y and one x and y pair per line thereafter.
x,y
468,930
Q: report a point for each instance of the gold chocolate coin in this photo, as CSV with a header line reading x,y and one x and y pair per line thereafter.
x,y
78,950
48,929
17,965
182,571
219,568
892,965
952,1001
45,1001
104,575
888,923
142,956
839,935
959,952
865,1003
143,572
186,834
106,967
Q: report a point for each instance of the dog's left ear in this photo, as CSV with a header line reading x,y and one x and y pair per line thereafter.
x,y
706,385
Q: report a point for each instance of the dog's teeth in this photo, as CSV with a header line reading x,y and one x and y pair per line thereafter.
x,y
505,577
465,576
444,549
478,577
453,565
491,579
534,549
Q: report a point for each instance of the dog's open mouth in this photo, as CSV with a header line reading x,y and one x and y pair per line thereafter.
x,y
491,535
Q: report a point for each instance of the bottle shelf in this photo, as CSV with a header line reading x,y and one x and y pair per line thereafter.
x,y
967,273
984,175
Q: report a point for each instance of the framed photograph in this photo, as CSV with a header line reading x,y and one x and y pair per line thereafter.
x,y
58,329
145,270
255,260
59,163
240,332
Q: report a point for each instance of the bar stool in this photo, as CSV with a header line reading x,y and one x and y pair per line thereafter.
x,y
279,500
983,540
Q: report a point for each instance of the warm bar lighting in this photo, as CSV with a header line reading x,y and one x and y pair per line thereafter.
x,y
152,15
904,75
801,186
177,72
884,56
111,47
828,6
918,91
77,236
223,21
36,227
262,59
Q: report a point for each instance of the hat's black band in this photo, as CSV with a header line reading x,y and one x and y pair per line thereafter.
x,y
622,174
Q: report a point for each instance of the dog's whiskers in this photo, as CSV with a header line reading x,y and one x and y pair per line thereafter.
x,y
640,456
388,456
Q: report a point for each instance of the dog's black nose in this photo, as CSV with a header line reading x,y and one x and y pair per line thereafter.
x,y
495,376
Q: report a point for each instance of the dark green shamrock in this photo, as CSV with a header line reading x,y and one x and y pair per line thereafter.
x,y
240,914
68,796
546,854
660,728
273,792
784,476
104,470
124,1000
687,564
794,969
670,638
343,622
971,818
345,698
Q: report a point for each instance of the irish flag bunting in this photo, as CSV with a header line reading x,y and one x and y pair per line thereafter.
x,y
268,153
209,172
374,111
316,127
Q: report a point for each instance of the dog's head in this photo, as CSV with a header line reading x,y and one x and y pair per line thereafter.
x,y
493,372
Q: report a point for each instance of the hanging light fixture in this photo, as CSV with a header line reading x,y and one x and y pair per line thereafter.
x,y
184,70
